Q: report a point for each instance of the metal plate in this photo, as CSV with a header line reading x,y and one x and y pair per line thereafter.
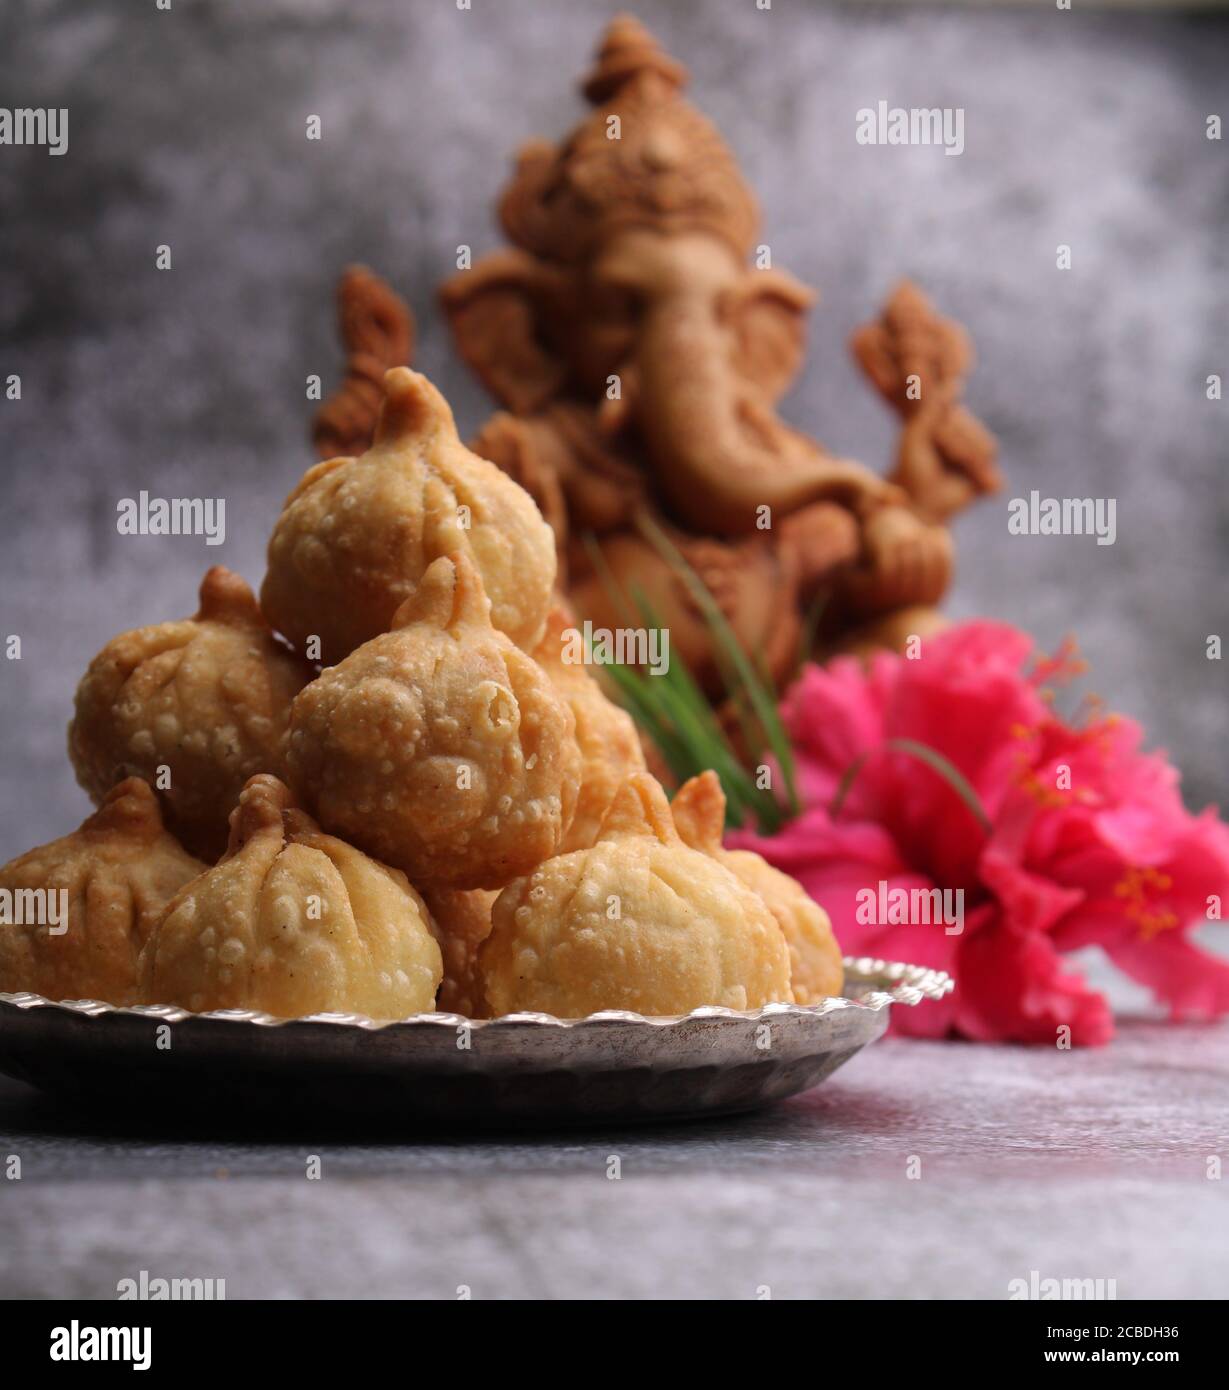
x,y
442,1067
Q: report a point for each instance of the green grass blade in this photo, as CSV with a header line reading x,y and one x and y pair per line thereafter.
x,y
675,713
762,701
924,754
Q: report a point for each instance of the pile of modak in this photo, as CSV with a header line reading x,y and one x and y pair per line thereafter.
x,y
449,815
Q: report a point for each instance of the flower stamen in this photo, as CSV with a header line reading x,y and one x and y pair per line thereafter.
x,y
1140,886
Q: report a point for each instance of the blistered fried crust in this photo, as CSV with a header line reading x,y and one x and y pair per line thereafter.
x,y
118,871
698,809
638,922
609,744
357,534
462,922
293,921
440,747
195,707
815,957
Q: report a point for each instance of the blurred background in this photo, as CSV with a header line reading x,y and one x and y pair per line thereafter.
x,y
186,128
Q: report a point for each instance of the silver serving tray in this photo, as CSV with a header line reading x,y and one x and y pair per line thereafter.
x,y
442,1067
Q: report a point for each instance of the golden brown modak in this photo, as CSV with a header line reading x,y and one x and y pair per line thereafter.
x,y
195,707
638,922
462,921
439,747
606,736
75,914
293,922
816,971
357,534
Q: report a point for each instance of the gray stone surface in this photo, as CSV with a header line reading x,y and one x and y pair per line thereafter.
x,y
1075,1164
187,128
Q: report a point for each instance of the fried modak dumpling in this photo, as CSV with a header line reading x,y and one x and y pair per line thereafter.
x,y
439,747
74,914
292,922
195,706
638,922
462,922
816,971
357,534
606,736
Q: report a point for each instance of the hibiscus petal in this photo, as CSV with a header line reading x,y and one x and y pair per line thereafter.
x,y
834,715
1089,843
1029,901
833,863
836,863
1192,982
1013,989
966,697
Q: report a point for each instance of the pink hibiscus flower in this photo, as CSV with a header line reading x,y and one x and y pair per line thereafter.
x,y
952,771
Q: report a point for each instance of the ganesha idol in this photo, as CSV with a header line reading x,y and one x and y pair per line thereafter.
x,y
638,340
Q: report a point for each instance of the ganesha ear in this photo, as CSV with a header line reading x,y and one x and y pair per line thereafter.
x,y
768,313
494,310
872,348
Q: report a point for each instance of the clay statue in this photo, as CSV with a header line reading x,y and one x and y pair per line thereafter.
x,y
377,331
639,350
918,361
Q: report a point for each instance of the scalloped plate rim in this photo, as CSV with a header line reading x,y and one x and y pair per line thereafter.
x,y
905,984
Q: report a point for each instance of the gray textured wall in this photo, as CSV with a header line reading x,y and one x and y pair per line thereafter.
x,y
187,128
